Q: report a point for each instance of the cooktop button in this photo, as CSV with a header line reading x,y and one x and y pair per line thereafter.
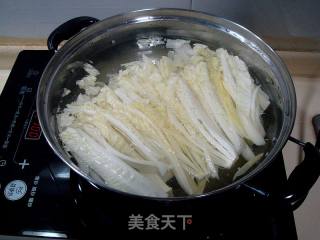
x,y
3,163
15,190
24,163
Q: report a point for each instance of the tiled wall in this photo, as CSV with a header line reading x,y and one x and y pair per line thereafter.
x,y
285,18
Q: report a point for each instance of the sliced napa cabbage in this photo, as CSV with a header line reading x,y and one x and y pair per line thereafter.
x,y
184,115
110,168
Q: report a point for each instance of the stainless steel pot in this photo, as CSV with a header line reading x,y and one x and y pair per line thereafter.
x,y
109,42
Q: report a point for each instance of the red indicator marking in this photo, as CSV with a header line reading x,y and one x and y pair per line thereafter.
x,y
34,129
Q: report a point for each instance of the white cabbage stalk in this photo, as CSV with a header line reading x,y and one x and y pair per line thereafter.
x,y
202,122
244,93
141,164
184,115
115,172
245,168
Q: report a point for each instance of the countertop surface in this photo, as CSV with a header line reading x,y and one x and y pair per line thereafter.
x,y
305,70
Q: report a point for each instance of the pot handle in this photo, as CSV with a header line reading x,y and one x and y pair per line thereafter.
x,y
67,30
303,177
